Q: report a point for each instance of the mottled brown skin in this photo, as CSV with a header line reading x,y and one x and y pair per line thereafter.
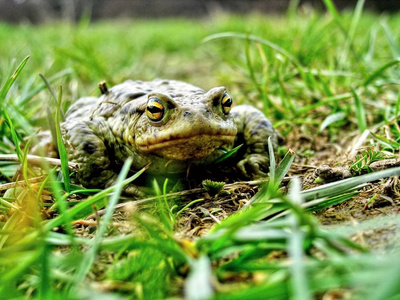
x,y
101,133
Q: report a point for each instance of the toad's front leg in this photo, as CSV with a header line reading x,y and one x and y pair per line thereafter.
x,y
85,147
92,145
254,129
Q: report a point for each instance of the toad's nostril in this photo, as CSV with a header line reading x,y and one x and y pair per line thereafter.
x,y
186,113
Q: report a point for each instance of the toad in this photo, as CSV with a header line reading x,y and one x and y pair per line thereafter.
x,y
170,124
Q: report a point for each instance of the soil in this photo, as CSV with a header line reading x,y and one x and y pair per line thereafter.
x,y
374,202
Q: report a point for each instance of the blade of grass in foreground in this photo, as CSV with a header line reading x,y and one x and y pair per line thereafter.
x,y
166,216
339,187
62,205
198,285
266,191
25,98
3,93
44,289
324,196
52,93
284,166
22,262
30,238
295,247
87,203
14,134
56,127
61,147
272,163
228,154
89,258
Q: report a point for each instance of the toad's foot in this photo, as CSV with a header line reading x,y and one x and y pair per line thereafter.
x,y
254,165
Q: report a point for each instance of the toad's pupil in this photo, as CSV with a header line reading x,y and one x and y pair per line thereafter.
x,y
228,102
154,109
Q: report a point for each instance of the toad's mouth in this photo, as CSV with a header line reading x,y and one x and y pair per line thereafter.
x,y
187,147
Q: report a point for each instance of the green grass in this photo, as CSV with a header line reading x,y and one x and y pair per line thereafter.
x,y
325,76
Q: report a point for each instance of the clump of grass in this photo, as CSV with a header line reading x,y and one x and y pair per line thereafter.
x,y
362,162
213,187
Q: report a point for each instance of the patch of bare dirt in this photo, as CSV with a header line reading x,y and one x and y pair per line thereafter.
x,y
331,162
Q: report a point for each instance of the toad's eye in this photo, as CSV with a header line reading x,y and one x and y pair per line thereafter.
x,y
155,109
226,103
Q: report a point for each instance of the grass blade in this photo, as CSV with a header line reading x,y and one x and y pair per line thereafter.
x,y
356,18
360,112
299,283
330,6
397,109
35,91
353,26
272,163
324,101
379,71
3,93
26,260
62,152
339,187
88,203
14,135
53,94
284,166
394,46
90,255
330,119
45,273
328,202
267,43
227,154
388,142
60,200
389,288
10,81
198,284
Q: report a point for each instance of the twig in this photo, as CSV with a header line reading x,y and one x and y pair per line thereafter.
x,y
38,160
385,164
94,223
10,185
